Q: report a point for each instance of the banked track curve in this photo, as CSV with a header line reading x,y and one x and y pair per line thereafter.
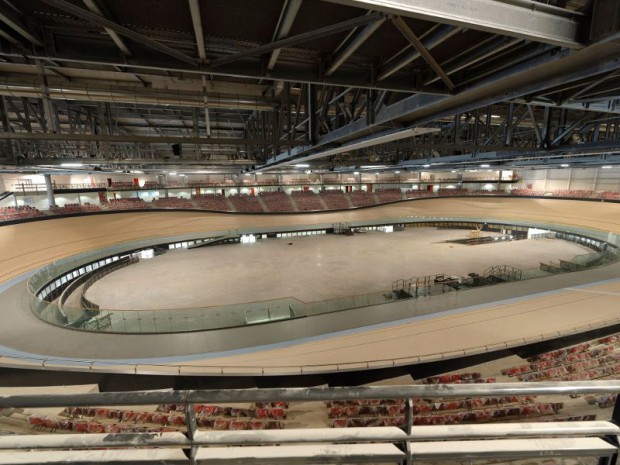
x,y
542,309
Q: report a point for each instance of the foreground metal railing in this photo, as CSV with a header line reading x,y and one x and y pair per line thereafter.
x,y
386,444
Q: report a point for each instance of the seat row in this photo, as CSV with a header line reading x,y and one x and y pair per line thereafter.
x,y
335,199
561,352
473,377
172,202
307,201
215,202
69,208
362,198
277,201
388,195
246,203
456,418
15,213
132,203
590,371
563,359
436,404
578,194
165,424
234,412
421,407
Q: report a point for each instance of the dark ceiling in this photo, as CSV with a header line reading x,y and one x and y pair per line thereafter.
x,y
257,84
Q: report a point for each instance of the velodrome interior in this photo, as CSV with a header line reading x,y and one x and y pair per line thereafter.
x,y
67,236
302,193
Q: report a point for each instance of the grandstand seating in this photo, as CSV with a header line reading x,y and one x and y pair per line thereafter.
x,y
608,195
335,199
69,208
577,194
246,203
172,202
215,202
417,193
299,201
390,412
364,413
132,203
277,201
388,195
452,192
169,417
581,362
526,192
362,198
307,201
489,192
17,213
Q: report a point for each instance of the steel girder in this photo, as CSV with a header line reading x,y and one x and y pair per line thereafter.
x,y
549,70
525,19
160,139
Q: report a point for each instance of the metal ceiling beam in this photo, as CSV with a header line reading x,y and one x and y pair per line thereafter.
x,y
94,7
194,8
593,84
546,71
161,139
135,95
543,72
593,154
285,23
8,37
405,30
525,19
81,13
569,129
354,44
365,142
295,40
150,162
438,36
475,55
11,19
294,72
603,105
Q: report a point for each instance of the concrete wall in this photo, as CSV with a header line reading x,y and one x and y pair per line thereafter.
x,y
549,180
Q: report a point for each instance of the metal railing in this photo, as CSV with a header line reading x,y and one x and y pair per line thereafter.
x,y
238,315
386,444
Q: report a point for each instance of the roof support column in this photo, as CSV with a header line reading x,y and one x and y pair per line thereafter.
x,y
48,111
6,126
508,133
311,106
205,101
534,124
49,189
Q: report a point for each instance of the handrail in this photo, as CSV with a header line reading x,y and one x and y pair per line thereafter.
x,y
387,444
203,318
309,394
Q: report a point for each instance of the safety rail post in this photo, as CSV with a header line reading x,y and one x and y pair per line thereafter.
x,y
409,416
190,423
615,418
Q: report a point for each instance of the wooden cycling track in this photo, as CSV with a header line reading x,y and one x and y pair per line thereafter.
x,y
545,308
